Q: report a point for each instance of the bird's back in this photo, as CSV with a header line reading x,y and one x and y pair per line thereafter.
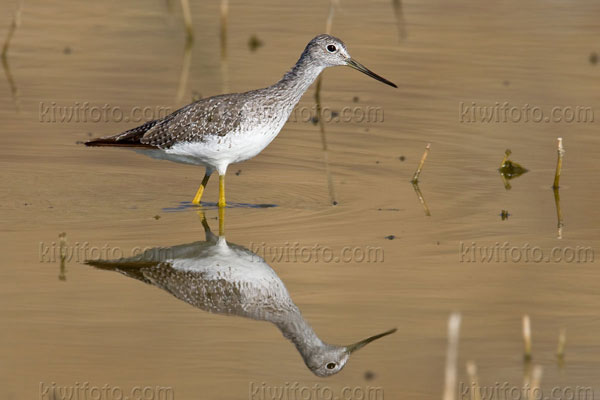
x,y
210,118
215,277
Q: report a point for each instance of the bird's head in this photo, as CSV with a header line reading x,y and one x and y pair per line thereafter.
x,y
329,51
327,360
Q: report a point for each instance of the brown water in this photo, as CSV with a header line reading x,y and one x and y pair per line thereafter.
x,y
106,329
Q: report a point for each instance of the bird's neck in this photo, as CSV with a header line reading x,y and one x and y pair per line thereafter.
x,y
297,80
298,331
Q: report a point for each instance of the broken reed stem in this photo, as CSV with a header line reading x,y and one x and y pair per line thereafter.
x,y
224,62
332,196
11,29
330,186
415,178
63,256
452,356
415,186
472,372
170,6
187,19
397,5
507,154
527,337
62,237
329,20
224,16
562,341
329,23
185,71
536,377
561,152
560,223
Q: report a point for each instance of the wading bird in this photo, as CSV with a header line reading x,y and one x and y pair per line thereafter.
x,y
230,128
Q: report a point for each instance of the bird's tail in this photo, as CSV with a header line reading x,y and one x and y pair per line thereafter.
x,y
112,142
130,138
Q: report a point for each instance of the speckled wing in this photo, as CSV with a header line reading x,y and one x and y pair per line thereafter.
x,y
216,116
212,295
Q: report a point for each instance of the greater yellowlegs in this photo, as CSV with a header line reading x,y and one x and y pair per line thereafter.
x,y
221,130
228,279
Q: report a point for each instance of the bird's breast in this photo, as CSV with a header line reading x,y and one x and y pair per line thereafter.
x,y
233,147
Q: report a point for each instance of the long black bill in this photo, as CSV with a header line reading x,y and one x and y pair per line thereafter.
x,y
359,345
359,67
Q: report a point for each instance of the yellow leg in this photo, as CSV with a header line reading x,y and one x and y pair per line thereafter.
x,y
202,216
221,221
200,191
222,191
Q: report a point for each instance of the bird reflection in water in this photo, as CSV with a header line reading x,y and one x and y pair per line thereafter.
x,y
224,278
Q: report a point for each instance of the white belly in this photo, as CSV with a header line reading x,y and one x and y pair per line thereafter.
x,y
217,152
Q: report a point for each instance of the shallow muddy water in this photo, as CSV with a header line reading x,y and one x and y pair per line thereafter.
x,y
382,262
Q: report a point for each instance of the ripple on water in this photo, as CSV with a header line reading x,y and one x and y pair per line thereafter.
x,y
188,205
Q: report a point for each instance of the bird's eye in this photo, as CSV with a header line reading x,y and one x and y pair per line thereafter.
x,y
331,366
331,48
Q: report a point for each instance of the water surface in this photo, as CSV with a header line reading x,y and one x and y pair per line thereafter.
x,y
106,329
